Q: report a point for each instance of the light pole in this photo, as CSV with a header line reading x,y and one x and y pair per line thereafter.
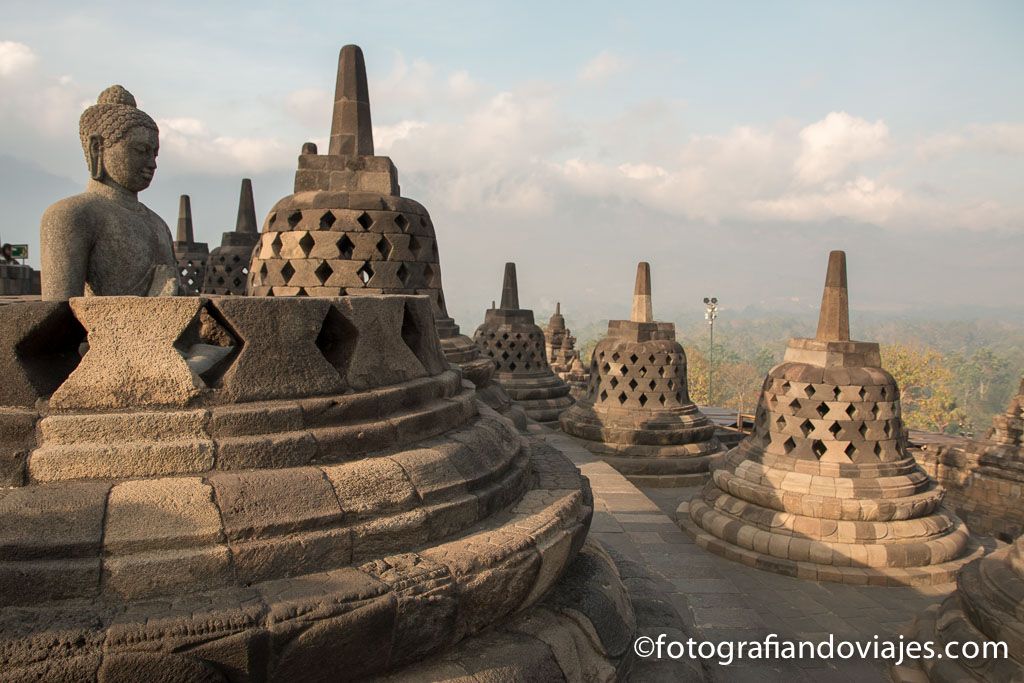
x,y
711,312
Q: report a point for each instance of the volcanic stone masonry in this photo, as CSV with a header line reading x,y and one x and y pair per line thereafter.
x,y
984,478
636,413
227,270
987,607
190,255
824,487
278,489
346,231
190,502
513,340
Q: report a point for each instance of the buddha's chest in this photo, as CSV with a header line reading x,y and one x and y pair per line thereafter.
x,y
125,248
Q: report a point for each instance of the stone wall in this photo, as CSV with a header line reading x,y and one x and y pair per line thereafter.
x,y
17,280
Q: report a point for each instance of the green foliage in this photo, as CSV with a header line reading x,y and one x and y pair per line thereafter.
x,y
955,376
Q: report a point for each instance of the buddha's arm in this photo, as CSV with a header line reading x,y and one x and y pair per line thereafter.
x,y
66,241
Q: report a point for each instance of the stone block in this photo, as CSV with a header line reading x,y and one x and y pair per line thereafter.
x,y
372,487
166,572
261,503
161,514
265,326
133,360
59,520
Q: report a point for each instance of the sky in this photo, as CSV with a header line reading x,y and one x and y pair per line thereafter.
x,y
730,144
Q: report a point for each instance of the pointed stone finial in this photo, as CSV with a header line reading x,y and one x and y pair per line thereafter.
x,y
510,289
642,310
246,221
493,306
558,308
834,320
351,133
185,220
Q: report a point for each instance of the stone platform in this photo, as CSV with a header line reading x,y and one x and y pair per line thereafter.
x,y
188,502
686,591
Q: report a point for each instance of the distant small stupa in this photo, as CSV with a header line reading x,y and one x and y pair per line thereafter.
x,y
191,256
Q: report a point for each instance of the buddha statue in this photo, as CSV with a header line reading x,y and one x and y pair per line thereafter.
x,y
105,241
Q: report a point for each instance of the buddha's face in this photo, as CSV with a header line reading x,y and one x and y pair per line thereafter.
x,y
131,162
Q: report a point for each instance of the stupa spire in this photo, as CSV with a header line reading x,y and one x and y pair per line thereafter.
x,y
510,289
351,132
185,220
642,310
834,319
246,221
558,308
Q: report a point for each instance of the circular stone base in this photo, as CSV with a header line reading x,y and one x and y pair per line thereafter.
x,y
667,481
658,466
875,576
581,631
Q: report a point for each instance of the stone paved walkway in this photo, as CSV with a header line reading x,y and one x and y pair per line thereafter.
x,y
689,591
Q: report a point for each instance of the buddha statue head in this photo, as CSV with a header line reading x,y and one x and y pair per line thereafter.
x,y
120,141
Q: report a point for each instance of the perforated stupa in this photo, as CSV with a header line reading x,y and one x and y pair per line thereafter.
x,y
191,256
347,231
513,340
824,488
637,413
227,269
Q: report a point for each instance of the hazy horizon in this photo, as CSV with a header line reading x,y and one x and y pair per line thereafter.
x,y
732,147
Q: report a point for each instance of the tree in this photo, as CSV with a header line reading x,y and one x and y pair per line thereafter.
x,y
926,387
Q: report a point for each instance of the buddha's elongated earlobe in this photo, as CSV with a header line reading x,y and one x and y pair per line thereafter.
x,y
96,157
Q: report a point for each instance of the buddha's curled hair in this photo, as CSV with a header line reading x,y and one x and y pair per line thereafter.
x,y
114,114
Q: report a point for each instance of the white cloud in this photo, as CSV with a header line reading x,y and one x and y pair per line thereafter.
x,y
835,143
15,58
996,138
190,145
385,137
461,85
601,67
310,107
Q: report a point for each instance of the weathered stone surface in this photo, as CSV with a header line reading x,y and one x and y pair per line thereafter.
x,y
38,350
160,514
261,501
132,358
372,487
261,371
381,355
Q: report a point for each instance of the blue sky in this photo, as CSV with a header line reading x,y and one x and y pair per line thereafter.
x,y
731,144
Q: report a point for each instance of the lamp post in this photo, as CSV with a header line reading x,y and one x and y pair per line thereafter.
x,y
711,312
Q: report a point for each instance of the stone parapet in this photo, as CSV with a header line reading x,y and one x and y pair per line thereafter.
x,y
228,488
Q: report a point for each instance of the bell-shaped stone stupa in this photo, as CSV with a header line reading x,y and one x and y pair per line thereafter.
x,y
347,231
824,487
637,413
227,270
191,256
511,338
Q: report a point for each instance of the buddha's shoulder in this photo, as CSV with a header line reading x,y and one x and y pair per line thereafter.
x,y
87,205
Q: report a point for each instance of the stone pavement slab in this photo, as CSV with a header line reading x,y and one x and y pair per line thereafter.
x,y
684,589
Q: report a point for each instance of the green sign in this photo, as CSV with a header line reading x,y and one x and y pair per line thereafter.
x,y
19,250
